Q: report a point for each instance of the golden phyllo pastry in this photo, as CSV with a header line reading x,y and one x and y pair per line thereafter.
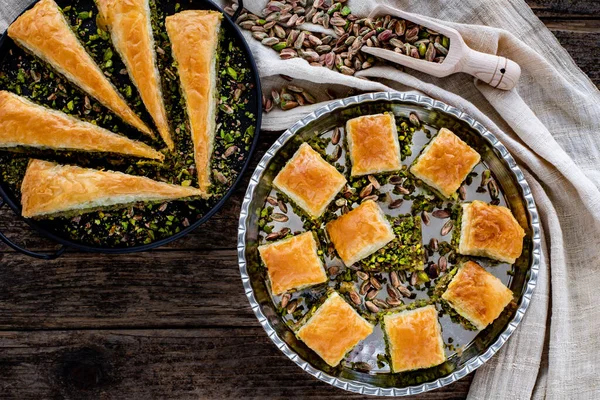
x,y
490,231
293,263
128,22
23,123
194,38
311,182
477,295
44,31
334,329
414,339
445,162
50,188
373,144
360,233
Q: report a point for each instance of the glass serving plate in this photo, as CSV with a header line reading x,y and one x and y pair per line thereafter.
x,y
468,349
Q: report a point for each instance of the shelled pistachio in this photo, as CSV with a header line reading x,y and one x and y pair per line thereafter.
x,y
281,27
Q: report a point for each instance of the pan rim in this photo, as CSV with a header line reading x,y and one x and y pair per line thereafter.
x,y
529,285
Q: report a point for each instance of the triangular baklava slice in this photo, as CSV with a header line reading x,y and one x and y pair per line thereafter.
x,y
194,36
128,22
44,31
23,123
49,188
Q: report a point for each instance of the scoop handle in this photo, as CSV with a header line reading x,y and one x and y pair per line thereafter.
x,y
499,72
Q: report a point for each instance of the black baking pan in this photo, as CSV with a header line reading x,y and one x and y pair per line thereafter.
x,y
248,118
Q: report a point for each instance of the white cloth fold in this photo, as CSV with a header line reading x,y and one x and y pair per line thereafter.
x,y
549,124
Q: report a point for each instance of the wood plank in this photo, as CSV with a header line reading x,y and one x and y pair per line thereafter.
x,y
570,8
576,25
583,47
218,233
148,364
578,28
169,289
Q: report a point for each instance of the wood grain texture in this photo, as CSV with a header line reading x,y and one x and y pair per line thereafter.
x,y
576,25
174,322
151,364
151,289
565,8
585,50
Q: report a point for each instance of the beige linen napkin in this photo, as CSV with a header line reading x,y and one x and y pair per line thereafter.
x,y
550,124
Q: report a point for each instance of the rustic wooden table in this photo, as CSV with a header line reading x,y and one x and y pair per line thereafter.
x,y
174,322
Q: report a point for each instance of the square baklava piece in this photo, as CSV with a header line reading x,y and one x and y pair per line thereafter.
x,y
309,181
414,339
490,231
477,295
445,163
373,144
334,329
293,263
360,233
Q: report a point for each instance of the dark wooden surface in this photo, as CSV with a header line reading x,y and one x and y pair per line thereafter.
x,y
174,322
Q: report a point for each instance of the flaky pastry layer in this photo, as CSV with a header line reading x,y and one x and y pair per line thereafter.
x,y
128,22
414,339
310,181
490,231
373,144
445,162
24,123
293,263
49,188
334,330
194,36
360,233
477,295
44,31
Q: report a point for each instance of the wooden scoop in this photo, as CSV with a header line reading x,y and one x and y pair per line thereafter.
x,y
499,72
